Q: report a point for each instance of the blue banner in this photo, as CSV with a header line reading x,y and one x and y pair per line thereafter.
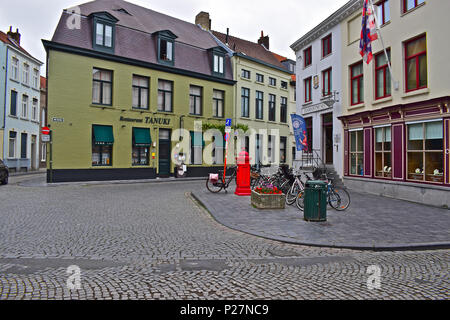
x,y
299,125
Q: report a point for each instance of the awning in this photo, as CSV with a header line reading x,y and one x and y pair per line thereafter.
x,y
103,135
141,137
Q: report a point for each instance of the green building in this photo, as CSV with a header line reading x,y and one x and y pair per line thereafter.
x,y
121,80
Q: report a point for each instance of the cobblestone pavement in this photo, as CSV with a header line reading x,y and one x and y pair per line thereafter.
x,y
152,241
370,222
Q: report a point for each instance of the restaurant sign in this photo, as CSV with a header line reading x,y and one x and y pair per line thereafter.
x,y
149,120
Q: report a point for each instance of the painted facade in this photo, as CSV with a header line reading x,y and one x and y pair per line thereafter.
x,y
150,93
397,130
21,106
318,55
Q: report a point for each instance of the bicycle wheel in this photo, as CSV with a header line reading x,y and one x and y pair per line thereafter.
x,y
214,187
299,200
291,195
339,199
284,187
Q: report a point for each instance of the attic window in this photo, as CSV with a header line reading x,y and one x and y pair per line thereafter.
x,y
122,10
103,32
166,47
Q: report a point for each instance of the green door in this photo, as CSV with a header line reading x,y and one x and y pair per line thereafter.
x,y
164,152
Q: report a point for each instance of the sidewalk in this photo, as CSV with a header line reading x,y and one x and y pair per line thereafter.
x,y
370,223
26,173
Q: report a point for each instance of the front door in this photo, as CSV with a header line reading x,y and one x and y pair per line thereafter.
x,y
164,152
33,153
327,123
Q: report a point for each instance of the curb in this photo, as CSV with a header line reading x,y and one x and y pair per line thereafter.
x,y
374,247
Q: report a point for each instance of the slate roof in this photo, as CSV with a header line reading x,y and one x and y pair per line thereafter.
x,y
248,48
135,38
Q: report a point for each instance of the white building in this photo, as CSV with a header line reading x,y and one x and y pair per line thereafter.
x,y
21,110
319,74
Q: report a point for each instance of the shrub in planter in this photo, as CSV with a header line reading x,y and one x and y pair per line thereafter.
x,y
268,197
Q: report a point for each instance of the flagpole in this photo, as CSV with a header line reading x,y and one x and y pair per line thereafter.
x,y
396,83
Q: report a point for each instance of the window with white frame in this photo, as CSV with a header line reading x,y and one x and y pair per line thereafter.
x,y
15,69
34,110
43,152
26,74
383,155
24,106
12,144
36,78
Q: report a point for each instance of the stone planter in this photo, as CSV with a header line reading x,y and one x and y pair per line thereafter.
x,y
268,201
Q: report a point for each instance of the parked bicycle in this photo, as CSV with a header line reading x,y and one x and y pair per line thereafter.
x,y
338,198
216,182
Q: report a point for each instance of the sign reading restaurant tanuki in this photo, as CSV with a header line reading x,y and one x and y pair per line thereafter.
x,y
151,120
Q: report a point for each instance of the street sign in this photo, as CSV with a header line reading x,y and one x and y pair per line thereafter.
x,y
45,138
228,122
227,130
45,130
227,136
58,119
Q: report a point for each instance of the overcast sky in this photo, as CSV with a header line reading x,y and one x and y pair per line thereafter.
x,y
284,21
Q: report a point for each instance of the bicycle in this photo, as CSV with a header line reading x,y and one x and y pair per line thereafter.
x,y
297,187
337,198
216,185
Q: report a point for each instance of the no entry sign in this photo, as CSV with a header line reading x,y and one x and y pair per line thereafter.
x,y
45,130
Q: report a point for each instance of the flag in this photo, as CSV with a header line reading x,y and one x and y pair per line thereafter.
x,y
368,32
299,125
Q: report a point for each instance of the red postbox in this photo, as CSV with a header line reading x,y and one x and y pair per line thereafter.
x,y
243,175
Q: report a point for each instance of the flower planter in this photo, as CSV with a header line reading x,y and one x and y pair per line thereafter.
x,y
268,201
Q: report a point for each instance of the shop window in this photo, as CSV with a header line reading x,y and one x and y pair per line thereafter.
x,y
425,152
218,103
165,93
195,98
272,107
382,75
140,92
357,83
416,64
141,145
357,153
102,87
283,110
102,145
245,102
383,155
259,105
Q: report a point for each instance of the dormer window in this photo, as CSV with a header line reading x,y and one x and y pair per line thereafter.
x,y
166,47
166,50
218,61
103,32
218,64
103,35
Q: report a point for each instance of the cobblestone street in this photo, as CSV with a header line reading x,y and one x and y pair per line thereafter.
x,y
154,241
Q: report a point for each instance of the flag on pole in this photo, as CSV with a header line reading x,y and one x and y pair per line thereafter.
x,y
301,138
368,32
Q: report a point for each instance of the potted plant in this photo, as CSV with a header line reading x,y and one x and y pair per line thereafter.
x,y
268,197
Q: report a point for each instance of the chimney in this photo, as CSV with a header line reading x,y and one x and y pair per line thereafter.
x,y
264,40
228,34
203,20
14,35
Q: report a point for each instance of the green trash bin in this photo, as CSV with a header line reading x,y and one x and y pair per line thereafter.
x,y
315,208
